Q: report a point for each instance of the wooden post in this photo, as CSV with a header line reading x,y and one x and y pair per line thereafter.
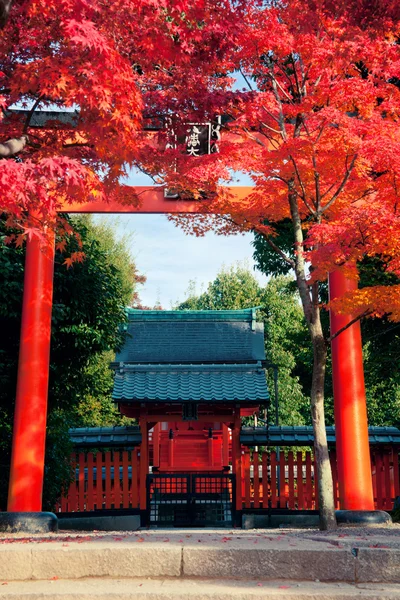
x,y
144,461
237,457
156,445
225,445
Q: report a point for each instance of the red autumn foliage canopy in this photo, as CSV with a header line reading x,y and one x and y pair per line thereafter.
x,y
316,126
111,64
317,129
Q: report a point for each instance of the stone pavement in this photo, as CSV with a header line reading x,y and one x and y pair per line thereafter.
x,y
194,564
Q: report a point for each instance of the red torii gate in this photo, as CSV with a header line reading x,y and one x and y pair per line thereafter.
x,y
27,463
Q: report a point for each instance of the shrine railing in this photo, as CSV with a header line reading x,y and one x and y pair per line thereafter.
x,y
95,486
270,480
287,479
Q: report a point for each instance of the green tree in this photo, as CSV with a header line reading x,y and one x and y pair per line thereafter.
x,y
286,341
89,301
381,338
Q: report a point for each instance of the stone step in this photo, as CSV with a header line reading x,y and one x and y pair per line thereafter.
x,y
216,556
193,589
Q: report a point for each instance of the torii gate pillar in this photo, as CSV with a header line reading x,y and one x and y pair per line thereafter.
x,y
29,434
352,444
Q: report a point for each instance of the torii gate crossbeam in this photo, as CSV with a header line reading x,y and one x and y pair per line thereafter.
x,y
27,467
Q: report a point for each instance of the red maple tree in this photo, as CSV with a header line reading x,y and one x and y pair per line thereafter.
x,y
110,65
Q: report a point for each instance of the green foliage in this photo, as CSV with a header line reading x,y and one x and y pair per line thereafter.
x,y
286,340
89,301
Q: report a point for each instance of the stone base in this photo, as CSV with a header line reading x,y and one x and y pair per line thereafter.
x,y
362,518
99,523
28,522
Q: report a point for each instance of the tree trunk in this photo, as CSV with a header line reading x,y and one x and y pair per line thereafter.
x,y
310,304
326,504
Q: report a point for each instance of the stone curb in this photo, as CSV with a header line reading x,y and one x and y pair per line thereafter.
x,y
200,589
361,565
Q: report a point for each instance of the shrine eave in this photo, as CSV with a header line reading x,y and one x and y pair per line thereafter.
x,y
197,383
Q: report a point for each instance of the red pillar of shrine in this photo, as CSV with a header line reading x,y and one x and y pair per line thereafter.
x,y
352,444
28,447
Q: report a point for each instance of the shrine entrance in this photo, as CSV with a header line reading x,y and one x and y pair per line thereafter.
x,y
190,500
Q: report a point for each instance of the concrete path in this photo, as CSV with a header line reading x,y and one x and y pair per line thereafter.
x,y
194,564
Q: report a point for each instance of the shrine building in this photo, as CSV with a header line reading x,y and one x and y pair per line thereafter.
x,y
189,377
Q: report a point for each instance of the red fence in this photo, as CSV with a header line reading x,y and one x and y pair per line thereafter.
x,y
96,487
288,481
268,480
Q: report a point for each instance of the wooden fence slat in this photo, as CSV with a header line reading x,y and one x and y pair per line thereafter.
x,y
117,485
379,490
135,483
274,495
388,487
81,482
300,496
291,479
256,481
282,480
125,479
316,501
99,481
332,460
396,474
90,490
309,486
107,460
246,472
265,486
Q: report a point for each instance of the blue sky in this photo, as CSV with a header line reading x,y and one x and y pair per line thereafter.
x,y
170,259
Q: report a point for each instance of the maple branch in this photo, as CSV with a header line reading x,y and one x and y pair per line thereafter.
x,y
5,7
299,260
303,196
317,188
276,249
246,80
349,324
269,127
279,103
30,113
341,186
284,92
253,137
13,146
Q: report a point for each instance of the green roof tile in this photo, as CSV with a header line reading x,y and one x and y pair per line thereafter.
x,y
194,383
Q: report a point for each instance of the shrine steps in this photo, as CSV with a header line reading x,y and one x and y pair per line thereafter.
x,y
202,564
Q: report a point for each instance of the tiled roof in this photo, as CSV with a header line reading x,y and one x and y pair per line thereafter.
x,y
303,436
93,437
190,383
193,337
